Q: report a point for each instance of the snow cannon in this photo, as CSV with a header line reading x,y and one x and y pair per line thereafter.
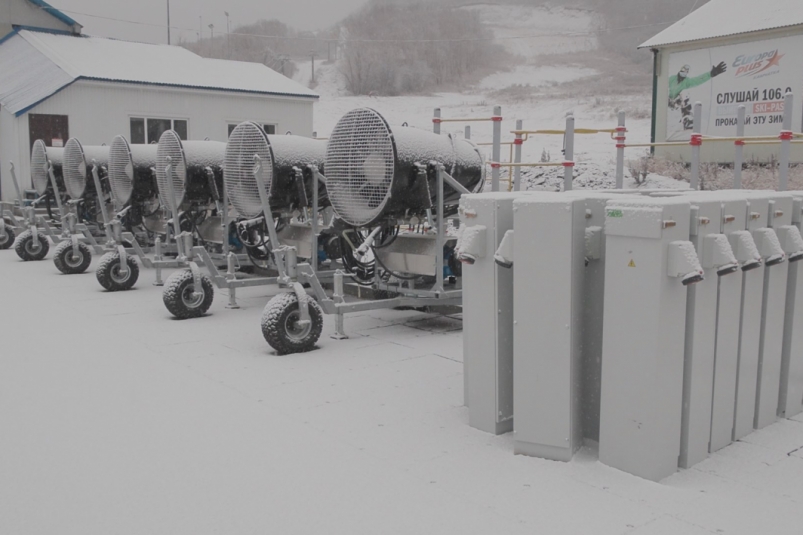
x,y
41,156
376,174
77,168
284,163
131,172
197,175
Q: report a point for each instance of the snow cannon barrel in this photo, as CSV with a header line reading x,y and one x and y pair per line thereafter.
x,y
77,167
41,154
131,171
279,157
191,161
373,172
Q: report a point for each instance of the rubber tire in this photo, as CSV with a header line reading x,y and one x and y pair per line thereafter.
x,y
9,241
23,244
274,321
106,268
64,250
175,287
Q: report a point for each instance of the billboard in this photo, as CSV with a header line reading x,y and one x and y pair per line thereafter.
x,y
756,74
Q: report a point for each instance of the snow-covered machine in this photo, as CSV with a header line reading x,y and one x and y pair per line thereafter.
x,y
83,172
47,179
393,191
139,220
271,183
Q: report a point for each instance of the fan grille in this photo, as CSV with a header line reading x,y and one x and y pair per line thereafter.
x,y
170,146
121,170
360,163
39,174
247,141
74,169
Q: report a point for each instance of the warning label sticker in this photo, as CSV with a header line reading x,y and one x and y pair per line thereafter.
x,y
632,263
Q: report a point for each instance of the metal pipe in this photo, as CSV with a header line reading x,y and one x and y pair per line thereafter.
x,y
695,146
786,137
497,148
568,173
738,158
621,137
436,121
517,157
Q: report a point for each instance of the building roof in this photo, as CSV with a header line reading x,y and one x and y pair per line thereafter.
x,y
56,13
721,18
36,65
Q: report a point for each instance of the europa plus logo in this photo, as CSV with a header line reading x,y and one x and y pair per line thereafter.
x,y
758,63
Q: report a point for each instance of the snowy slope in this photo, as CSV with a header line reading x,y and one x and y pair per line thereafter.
x,y
534,31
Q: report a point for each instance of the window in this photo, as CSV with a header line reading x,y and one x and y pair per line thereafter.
x,y
151,129
54,130
270,129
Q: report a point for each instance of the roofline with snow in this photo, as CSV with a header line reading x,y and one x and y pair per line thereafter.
x,y
47,8
155,84
649,44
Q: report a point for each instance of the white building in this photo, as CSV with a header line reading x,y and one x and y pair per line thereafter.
x,y
28,14
55,86
726,54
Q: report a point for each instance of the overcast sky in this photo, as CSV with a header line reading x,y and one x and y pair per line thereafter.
x,y
301,14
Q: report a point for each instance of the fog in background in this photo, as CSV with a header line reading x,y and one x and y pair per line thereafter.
x,y
301,14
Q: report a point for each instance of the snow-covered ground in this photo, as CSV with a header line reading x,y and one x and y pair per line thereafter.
x,y
533,31
118,419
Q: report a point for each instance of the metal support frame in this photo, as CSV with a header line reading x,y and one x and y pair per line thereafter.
x,y
786,138
621,137
568,154
517,156
696,144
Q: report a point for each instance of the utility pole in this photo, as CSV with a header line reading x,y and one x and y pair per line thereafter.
x,y
168,22
212,31
200,27
228,34
312,55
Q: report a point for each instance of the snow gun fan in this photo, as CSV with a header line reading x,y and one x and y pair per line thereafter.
x,y
77,168
41,156
197,174
280,158
374,173
131,172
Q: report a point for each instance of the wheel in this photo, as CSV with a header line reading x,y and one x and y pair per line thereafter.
x,y
8,241
280,325
71,263
29,251
109,276
180,298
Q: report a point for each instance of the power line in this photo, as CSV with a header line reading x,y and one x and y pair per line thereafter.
x,y
324,39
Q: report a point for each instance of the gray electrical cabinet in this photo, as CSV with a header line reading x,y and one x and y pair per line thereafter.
x,y
719,263
791,387
487,311
649,262
559,278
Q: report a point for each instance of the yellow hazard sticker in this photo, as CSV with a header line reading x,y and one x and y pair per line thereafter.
x,y
632,263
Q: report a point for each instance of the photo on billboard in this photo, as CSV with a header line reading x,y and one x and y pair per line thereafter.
x,y
756,75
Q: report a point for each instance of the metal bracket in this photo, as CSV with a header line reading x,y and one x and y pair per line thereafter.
x,y
123,260
303,303
196,280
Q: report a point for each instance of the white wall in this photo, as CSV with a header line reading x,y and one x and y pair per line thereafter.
x,y
98,111
24,13
719,152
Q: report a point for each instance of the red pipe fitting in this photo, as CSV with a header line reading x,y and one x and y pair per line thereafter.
x,y
518,141
696,140
786,135
496,118
568,164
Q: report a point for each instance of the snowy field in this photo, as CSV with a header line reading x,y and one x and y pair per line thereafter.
x,y
117,419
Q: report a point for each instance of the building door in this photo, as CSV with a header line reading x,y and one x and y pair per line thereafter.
x,y
54,130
